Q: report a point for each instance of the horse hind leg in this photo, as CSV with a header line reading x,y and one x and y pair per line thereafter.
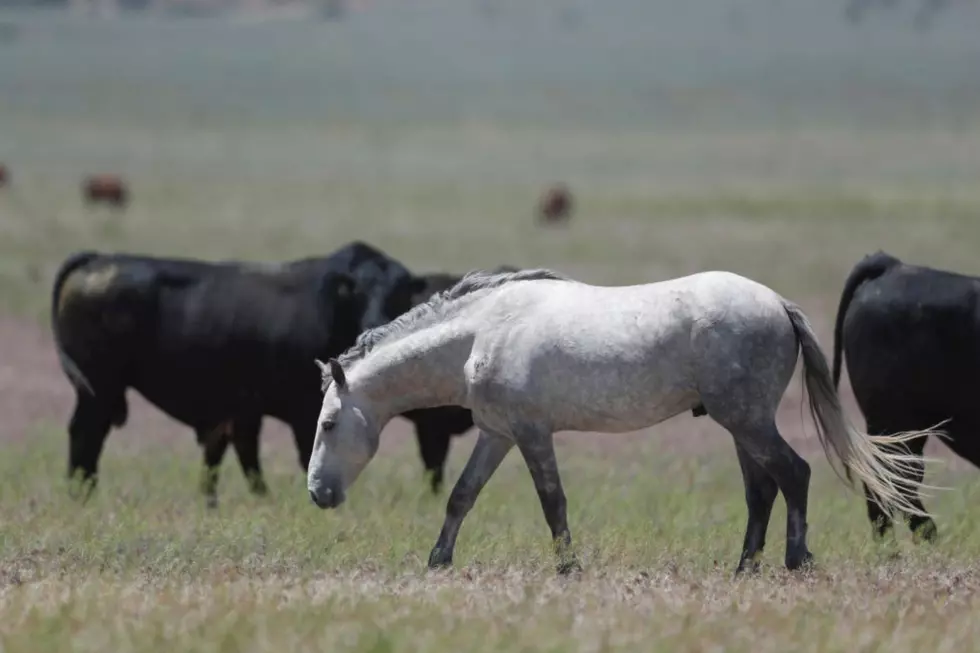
x,y
742,377
538,450
772,455
760,495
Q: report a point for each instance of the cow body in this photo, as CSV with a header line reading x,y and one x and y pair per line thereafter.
x,y
911,339
105,188
219,346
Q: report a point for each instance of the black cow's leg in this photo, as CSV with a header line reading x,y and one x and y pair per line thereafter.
x,y
87,431
434,448
245,439
923,528
434,431
215,443
304,432
881,521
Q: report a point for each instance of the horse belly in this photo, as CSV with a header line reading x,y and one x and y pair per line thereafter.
x,y
619,393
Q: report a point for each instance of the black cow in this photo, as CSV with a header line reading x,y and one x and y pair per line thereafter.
x,y
218,346
911,336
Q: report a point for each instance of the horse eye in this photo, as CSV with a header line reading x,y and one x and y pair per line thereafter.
x,y
326,425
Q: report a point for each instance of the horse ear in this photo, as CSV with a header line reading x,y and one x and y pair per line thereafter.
x,y
337,372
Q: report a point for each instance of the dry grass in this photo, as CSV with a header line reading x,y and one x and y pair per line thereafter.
x,y
146,568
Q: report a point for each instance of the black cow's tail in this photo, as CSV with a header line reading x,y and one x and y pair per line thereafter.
x,y
869,268
71,264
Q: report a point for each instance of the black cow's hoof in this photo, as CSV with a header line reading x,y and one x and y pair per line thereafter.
x,y
81,489
926,532
804,563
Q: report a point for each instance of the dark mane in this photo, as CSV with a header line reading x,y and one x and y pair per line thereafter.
x,y
436,306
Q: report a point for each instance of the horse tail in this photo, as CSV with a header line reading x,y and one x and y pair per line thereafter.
x,y
72,263
884,469
868,269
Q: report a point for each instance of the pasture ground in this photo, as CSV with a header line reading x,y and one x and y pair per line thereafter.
x,y
274,139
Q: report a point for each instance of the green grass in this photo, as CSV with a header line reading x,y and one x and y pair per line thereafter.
x,y
145,567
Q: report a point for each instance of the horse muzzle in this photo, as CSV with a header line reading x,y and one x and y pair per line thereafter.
x,y
327,497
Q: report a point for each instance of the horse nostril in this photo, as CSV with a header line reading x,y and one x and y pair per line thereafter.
x,y
326,501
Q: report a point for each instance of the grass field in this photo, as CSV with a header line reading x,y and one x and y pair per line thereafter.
x,y
147,568
783,147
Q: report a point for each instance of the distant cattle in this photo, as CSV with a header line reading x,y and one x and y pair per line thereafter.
x,y
108,189
218,346
556,205
911,338
4,175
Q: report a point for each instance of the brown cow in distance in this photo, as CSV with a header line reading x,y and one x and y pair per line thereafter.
x,y
556,205
109,189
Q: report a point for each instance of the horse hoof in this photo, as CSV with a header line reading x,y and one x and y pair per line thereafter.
x,y
439,559
748,567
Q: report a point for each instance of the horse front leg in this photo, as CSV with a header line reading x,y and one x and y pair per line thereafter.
x,y
489,451
538,449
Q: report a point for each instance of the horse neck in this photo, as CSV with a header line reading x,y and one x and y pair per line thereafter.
x,y
420,370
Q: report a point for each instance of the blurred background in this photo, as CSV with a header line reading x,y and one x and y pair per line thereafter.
x,y
782,139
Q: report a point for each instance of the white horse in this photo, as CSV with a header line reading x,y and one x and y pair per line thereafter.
x,y
533,352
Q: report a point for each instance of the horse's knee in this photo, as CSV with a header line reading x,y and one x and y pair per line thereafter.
x,y
460,502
